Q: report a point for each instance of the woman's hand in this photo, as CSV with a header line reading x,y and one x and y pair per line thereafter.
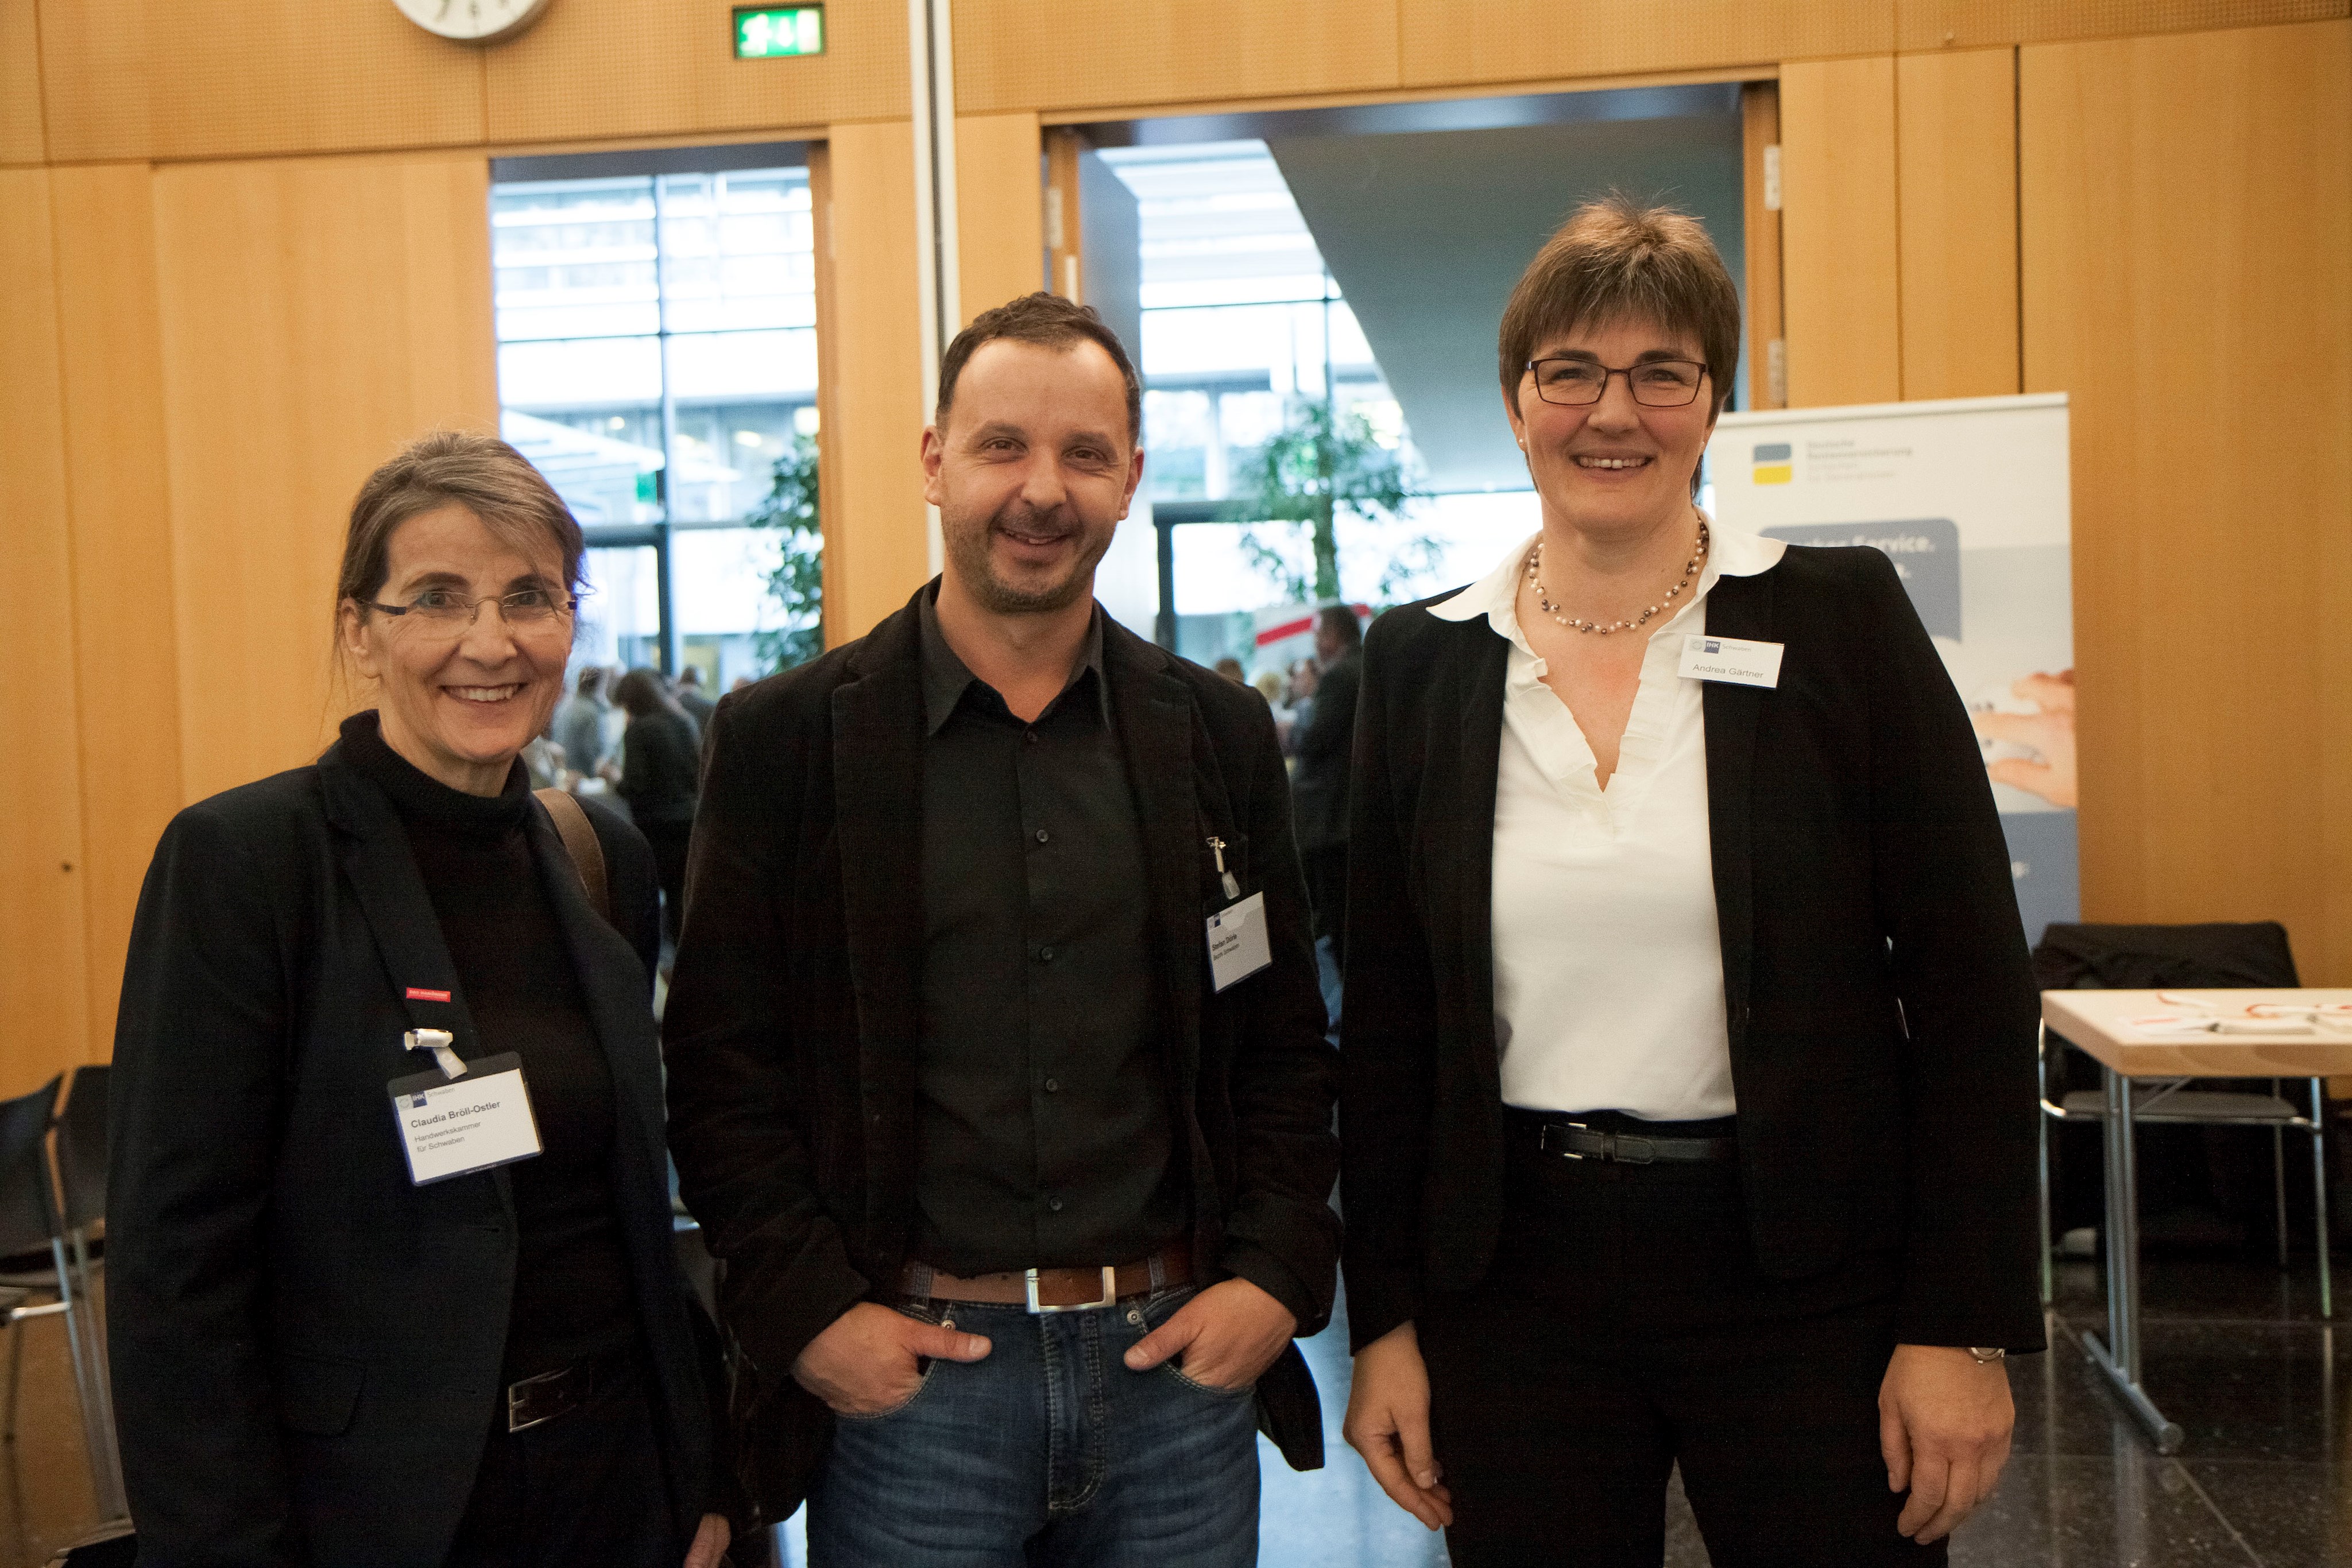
x,y
1944,1426
1388,1423
709,1542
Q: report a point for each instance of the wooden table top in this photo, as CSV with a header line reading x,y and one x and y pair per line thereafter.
x,y
2173,1034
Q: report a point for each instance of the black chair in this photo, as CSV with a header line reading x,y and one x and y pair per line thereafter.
x,y
2180,957
114,1546
81,1154
32,1226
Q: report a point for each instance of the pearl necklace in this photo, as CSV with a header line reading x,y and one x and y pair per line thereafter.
x,y
1543,595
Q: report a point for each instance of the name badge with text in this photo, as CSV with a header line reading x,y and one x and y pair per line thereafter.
x,y
1730,659
456,1126
1238,946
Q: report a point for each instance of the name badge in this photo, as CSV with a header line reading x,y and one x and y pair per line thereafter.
x,y
1238,946
1728,659
456,1126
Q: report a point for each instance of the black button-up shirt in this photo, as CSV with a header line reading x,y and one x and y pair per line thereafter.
x,y
1046,1136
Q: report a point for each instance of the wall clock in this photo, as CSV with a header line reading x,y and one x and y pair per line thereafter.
x,y
472,21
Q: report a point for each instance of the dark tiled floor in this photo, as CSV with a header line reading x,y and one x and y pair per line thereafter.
x,y
2235,1352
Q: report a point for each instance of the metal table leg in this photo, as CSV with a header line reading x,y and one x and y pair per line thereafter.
x,y
2118,1358
2319,1191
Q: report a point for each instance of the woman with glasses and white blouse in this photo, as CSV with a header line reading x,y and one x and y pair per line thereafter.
x,y
1687,1103
388,1244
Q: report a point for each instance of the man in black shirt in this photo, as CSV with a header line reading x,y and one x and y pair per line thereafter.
x,y
996,1066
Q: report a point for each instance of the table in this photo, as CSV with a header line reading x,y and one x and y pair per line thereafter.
x,y
2126,1033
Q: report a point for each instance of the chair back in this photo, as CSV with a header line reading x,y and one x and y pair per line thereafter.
x,y
2165,957
112,1545
28,1209
81,1147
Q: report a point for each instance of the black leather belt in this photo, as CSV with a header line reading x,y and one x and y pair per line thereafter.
x,y
1575,1141
535,1401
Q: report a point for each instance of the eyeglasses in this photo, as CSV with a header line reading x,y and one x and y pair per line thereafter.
x,y
1655,383
447,611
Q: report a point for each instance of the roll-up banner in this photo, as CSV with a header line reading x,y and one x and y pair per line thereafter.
x,y
1969,500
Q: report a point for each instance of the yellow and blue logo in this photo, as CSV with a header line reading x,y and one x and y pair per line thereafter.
x,y
1772,465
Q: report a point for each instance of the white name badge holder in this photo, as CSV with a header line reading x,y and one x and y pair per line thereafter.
x,y
1238,944
1732,660
464,1117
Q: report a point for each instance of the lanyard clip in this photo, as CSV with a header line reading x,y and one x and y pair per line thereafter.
x,y
437,1041
1217,848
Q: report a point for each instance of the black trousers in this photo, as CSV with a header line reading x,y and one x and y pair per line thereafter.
x,y
668,842
1624,1328
586,1488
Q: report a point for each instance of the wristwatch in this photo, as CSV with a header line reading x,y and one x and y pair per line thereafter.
x,y
1987,1355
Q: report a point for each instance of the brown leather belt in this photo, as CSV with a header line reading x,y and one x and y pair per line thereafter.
x,y
1055,1290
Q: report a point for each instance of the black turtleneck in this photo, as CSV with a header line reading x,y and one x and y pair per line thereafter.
x,y
572,1294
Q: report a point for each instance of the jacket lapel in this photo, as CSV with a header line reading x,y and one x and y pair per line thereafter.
x,y
612,984
400,915
1153,713
1478,748
877,790
1736,607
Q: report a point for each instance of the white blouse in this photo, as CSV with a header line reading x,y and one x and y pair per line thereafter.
x,y
1608,962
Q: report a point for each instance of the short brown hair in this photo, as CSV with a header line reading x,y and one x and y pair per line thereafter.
x,y
1052,323
451,468
1613,259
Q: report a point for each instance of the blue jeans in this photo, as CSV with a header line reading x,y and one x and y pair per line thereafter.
x,y
1049,1453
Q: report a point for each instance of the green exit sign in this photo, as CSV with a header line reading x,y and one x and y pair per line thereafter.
x,y
769,32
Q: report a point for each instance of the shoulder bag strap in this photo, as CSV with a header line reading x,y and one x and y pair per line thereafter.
x,y
579,837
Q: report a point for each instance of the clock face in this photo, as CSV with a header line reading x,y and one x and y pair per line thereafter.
x,y
472,21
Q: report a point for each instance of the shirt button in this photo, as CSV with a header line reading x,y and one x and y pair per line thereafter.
x,y
1053,1086
1055,1204
1030,736
1042,835
1045,955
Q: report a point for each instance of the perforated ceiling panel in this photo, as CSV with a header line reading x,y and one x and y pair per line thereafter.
x,y
1446,42
1081,54
605,68
1959,24
171,80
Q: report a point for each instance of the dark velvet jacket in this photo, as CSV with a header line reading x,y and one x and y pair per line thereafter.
x,y
793,1019
1881,1007
306,1345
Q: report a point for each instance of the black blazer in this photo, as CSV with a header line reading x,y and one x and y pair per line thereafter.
x,y
306,1346
1323,749
1881,1008
794,1015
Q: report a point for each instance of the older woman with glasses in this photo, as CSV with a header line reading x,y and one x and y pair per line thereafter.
x,y
1688,1097
390,1248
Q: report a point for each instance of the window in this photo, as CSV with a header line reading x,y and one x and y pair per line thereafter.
x,y
1243,323
656,355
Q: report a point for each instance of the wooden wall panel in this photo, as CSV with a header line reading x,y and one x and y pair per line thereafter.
x,y
1445,42
21,139
1759,136
2187,236
43,1017
1842,299
316,314
194,78
1072,54
603,68
1956,137
877,539
999,209
126,649
1966,24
